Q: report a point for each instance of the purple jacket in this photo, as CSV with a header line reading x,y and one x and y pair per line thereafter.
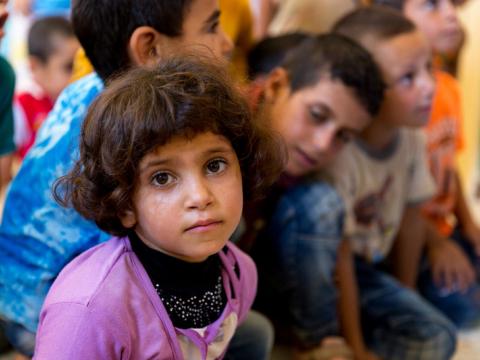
x,y
104,306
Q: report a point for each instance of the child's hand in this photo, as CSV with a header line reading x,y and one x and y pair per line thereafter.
x,y
472,233
451,269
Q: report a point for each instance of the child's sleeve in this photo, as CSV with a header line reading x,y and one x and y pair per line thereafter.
x,y
421,183
72,331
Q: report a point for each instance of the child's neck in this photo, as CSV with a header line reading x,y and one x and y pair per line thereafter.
x,y
379,135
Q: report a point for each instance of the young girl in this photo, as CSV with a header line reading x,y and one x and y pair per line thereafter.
x,y
164,155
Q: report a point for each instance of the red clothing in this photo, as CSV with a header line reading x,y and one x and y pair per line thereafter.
x,y
444,140
32,113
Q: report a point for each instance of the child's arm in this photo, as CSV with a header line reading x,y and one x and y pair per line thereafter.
x,y
465,219
408,247
348,305
450,267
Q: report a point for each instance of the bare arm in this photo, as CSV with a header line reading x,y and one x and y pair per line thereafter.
x,y
408,247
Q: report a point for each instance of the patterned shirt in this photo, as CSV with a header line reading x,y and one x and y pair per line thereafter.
x,y
38,236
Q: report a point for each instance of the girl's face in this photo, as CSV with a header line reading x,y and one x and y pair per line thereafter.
x,y
314,122
188,198
405,61
437,19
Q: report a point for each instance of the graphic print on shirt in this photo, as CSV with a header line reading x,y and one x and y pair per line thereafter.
x,y
369,211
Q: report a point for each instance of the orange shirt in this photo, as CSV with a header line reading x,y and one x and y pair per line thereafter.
x,y
444,140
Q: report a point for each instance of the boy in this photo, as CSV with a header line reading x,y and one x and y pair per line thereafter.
x,y
38,237
383,178
325,91
51,49
453,238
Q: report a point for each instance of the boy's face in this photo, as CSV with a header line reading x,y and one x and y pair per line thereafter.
x,y
188,198
202,30
437,19
405,61
315,122
54,75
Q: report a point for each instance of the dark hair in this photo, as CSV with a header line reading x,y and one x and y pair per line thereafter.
x,y
340,58
41,36
144,109
270,52
104,27
379,22
396,4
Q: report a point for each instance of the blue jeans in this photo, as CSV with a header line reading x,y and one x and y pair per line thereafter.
x,y
463,309
253,339
296,262
20,338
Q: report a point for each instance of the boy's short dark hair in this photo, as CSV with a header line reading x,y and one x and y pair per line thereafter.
x,y
378,22
396,4
340,58
42,34
146,108
269,52
104,27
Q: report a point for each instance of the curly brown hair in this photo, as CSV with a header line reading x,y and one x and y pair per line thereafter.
x,y
144,109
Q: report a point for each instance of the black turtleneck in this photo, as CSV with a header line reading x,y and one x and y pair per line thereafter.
x,y
192,293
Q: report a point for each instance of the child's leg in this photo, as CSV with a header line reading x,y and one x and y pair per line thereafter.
x,y
296,264
253,339
462,308
398,323
20,338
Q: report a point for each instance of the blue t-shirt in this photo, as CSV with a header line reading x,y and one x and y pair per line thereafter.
x,y
50,7
38,237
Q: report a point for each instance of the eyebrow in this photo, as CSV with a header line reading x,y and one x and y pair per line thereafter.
x,y
213,18
208,152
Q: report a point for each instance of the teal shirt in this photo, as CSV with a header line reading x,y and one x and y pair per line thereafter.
x,y
7,88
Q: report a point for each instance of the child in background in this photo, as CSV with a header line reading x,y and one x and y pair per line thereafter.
x,y
7,88
453,238
163,156
324,92
265,56
51,48
384,178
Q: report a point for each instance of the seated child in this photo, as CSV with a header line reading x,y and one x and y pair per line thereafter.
x,y
265,56
38,237
383,178
452,282
51,48
163,156
324,92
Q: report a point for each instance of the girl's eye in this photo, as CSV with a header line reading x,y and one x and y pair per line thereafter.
x,y
216,166
162,179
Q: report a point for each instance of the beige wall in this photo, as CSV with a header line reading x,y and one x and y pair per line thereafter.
x,y
469,77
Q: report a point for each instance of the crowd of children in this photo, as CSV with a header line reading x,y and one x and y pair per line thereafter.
x,y
168,210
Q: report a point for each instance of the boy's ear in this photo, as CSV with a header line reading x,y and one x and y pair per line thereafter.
x,y
128,219
146,46
275,82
